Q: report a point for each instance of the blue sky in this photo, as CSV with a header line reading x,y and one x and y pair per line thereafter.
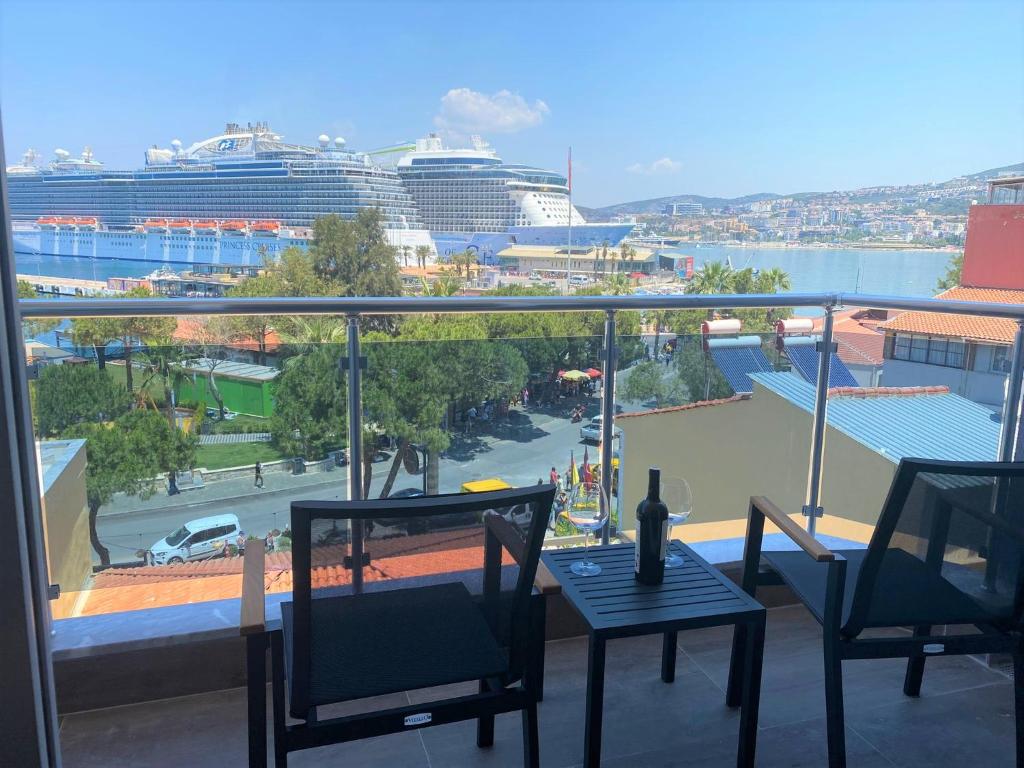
x,y
724,98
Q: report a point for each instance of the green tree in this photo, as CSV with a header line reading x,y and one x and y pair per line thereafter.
x,y
954,274
353,257
699,374
464,260
647,381
126,457
256,328
98,332
309,404
446,284
72,394
713,277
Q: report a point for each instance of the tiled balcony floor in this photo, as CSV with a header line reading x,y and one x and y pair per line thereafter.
x,y
963,717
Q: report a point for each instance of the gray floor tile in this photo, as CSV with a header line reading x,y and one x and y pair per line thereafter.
x,y
964,715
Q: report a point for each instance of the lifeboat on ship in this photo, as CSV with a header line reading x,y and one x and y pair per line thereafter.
x,y
155,225
205,225
47,222
234,227
271,228
65,222
180,225
86,222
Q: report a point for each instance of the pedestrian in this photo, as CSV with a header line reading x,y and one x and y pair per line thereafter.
x,y
553,476
240,542
259,475
526,397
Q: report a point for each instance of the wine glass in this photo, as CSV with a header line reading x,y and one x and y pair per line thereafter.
x,y
675,494
588,511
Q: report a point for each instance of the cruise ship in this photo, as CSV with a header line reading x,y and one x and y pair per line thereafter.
x,y
471,199
232,199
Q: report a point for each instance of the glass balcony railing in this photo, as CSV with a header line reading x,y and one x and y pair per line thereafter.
x,y
177,436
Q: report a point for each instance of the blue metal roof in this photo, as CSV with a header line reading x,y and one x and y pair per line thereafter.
x,y
925,426
804,358
736,361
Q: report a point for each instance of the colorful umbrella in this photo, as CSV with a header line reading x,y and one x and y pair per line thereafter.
x,y
575,376
593,373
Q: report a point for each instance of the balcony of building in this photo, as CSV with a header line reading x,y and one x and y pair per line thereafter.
x,y
147,661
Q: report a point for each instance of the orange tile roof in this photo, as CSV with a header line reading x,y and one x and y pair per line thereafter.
x,y
687,407
855,332
935,389
129,589
189,329
992,329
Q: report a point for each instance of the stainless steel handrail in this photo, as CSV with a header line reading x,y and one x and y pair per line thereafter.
x,y
411,305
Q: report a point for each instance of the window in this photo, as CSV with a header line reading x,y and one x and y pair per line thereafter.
x,y
1000,360
933,351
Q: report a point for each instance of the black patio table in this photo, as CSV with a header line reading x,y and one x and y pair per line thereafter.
x,y
693,596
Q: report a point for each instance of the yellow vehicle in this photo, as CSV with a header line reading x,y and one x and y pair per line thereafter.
x,y
480,486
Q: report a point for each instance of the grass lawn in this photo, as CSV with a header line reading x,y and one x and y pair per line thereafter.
x,y
236,455
116,370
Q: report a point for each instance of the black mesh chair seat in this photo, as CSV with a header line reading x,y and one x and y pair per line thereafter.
x,y
924,595
357,652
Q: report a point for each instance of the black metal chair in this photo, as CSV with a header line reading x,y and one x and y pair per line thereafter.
x,y
459,617
946,552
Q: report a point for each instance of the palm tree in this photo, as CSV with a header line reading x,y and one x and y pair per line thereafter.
x,y
447,284
773,280
617,284
422,254
405,255
464,259
713,277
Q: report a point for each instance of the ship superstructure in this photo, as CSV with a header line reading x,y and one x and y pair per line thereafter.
x,y
246,185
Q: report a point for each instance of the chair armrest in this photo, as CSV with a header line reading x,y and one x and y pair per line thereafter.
x,y
784,523
253,619
545,581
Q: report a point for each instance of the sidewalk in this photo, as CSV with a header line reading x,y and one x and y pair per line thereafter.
x,y
275,483
241,437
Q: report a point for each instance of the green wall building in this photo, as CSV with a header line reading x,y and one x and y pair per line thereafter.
x,y
244,388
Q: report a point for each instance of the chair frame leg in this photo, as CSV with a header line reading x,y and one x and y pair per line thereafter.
x,y
832,644
531,737
256,696
278,693
485,724
1018,699
915,665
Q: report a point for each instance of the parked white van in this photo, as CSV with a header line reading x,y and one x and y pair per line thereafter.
x,y
196,540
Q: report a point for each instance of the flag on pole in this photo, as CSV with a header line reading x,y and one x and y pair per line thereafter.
x,y
588,475
574,473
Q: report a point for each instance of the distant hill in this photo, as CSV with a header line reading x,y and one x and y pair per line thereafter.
x,y
869,194
1006,170
654,205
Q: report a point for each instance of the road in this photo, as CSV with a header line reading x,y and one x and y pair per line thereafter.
x,y
520,452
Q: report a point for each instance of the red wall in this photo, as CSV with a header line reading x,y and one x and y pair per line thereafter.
x,y
994,251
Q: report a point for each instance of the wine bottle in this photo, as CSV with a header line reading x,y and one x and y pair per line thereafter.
x,y
651,533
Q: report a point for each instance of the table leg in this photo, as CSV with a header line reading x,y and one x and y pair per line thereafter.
x,y
753,655
595,703
669,649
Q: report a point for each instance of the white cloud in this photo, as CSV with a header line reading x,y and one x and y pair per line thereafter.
x,y
660,167
464,111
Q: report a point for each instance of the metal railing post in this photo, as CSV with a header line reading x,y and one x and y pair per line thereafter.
x,y
1011,405
355,448
608,416
812,509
